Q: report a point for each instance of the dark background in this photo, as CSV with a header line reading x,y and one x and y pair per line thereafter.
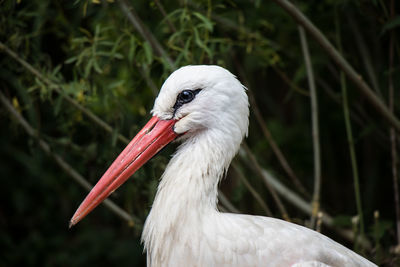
x,y
90,52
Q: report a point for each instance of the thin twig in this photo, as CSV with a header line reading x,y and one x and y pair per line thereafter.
x,y
392,131
356,78
364,53
258,169
336,97
132,220
251,189
289,82
162,10
315,131
227,204
133,17
350,139
319,222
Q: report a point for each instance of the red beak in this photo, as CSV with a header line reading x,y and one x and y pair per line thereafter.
x,y
155,135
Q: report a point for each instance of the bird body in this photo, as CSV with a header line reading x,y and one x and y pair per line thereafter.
x,y
206,108
224,239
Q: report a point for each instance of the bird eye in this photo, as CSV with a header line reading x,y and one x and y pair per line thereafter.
x,y
185,97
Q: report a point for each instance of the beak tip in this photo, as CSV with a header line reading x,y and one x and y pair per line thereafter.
x,y
72,223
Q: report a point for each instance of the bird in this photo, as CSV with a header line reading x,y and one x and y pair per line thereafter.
x,y
206,109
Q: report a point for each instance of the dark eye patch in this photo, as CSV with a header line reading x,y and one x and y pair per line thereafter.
x,y
184,97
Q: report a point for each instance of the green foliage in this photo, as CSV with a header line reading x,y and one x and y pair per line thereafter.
x,y
90,53
93,49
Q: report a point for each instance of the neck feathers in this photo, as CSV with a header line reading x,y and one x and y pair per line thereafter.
x,y
188,191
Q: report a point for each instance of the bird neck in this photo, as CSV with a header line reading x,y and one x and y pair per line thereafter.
x,y
191,178
188,189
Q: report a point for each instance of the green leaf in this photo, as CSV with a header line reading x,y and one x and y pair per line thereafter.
x,y
200,42
174,36
70,60
116,84
88,68
97,30
86,32
97,67
58,104
173,15
132,48
207,23
116,45
118,56
186,52
106,43
56,70
148,52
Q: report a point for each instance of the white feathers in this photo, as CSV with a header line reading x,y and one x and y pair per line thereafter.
x,y
184,227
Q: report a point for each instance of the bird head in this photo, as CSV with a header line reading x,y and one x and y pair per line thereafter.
x,y
203,97
194,100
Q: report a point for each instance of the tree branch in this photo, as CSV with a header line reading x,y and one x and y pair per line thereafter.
x,y
350,140
364,53
315,130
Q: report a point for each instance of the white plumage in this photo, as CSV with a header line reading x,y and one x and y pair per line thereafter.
x,y
184,227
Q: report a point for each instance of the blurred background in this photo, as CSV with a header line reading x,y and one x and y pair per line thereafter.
x,y
78,79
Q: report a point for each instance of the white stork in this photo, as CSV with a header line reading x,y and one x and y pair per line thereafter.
x,y
206,108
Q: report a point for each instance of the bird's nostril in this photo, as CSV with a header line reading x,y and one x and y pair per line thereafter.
x,y
151,128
